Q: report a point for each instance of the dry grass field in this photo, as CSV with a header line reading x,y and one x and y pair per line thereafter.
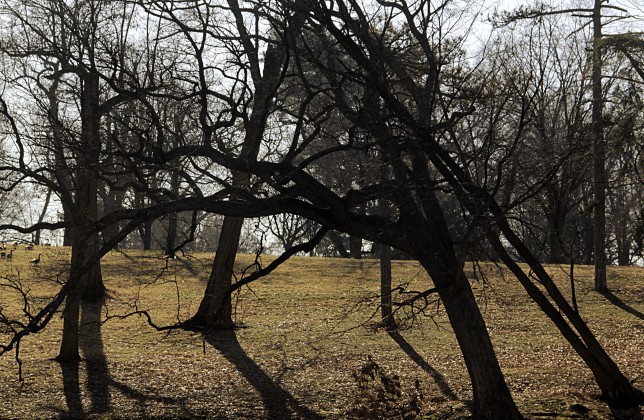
x,y
304,331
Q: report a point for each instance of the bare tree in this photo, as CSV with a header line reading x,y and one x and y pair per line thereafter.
x,y
72,67
391,84
595,15
399,84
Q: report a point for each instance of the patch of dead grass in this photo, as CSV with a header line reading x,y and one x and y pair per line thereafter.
x,y
304,335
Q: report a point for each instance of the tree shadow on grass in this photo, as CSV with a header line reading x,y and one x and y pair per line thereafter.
x,y
71,389
143,399
91,346
612,298
444,387
278,403
99,381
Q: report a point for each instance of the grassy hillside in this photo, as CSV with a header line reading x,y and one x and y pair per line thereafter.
x,y
306,329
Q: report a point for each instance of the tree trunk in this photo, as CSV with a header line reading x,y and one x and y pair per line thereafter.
x,y
69,343
86,199
556,226
599,156
492,398
112,197
94,289
588,238
215,311
70,340
339,245
621,227
171,234
146,235
43,213
385,288
112,201
355,247
554,238
67,234
434,249
145,230
616,389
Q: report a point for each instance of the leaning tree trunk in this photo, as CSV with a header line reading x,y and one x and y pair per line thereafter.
x,y
425,219
616,389
492,398
215,310
434,250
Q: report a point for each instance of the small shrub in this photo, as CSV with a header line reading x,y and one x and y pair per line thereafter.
x,y
381,396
